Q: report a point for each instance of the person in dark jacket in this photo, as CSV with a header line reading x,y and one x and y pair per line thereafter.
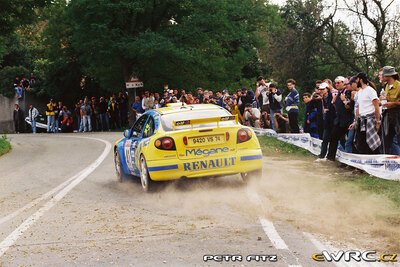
x,y
328,115
343,116
19,120
310,118
292,106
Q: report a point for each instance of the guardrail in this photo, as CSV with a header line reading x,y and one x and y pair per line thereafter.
x,y
381,166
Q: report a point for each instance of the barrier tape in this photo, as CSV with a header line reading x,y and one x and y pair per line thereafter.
x,y
382,166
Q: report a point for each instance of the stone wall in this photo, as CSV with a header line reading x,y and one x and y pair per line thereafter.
x,y
7,108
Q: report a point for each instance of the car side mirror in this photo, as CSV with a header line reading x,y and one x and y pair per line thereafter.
x,y
126,133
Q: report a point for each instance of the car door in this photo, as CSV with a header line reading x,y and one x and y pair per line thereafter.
x,y
132,142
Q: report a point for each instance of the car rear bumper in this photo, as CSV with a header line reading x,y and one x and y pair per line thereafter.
x,y
171,169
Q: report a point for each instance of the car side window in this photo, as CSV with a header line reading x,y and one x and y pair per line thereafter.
x,y
149,128
139,124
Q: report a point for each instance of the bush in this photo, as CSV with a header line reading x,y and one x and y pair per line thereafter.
x,y
7,76
5,145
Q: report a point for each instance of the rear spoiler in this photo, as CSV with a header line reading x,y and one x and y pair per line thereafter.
x,y
205,120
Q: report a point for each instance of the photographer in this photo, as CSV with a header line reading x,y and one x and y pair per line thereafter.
x,y
252,116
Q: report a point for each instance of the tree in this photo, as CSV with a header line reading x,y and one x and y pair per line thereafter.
x,y
185,43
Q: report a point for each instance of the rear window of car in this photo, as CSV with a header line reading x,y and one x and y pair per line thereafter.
x,y
168,119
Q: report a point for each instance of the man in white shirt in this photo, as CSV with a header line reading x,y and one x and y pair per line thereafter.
x,y
33,114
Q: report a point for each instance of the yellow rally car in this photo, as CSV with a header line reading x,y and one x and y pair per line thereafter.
x,y
187,142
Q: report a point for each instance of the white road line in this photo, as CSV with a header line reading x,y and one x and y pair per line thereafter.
x,y
268,226
17,233
272,234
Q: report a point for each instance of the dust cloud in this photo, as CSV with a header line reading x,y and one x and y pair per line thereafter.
x,y
310,196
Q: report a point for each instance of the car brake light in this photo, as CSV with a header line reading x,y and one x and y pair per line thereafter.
x,y
227,136
165,143
243,135
185,140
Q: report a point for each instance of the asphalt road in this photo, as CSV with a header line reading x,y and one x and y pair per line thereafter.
x,y
61,205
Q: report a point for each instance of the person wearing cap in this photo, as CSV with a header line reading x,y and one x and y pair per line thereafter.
x,y
328,112
50,116
343,108
368,118
391,115
292,106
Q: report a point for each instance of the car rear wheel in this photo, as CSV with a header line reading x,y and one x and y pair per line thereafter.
x,y
147,183
118,168
248,176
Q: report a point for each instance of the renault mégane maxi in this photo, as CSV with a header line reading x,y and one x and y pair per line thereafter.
x,y
187,141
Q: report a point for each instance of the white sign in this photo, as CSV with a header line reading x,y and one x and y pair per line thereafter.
x,y
382,166
135,84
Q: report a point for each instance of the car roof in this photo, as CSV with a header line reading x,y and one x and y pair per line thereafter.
x,y
187,108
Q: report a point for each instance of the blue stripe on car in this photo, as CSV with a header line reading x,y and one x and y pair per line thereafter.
x,y
244,158
163,168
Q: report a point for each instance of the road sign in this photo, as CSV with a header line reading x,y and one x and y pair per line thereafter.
x,y
135,84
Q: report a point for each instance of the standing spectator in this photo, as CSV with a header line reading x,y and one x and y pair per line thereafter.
x,y
220,99
248,97
353,87
19,120
262,89
50,116
292,106
114,112
147,101
318,97
95,114
252,116
368,118
123,108
86,112
392,108
57,119
33,114
200,95
275,99
343,106
66,120
310,118
328,119
103,115
77,113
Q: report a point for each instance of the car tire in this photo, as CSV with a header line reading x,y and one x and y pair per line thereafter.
x,y
145,180
249,176
118,168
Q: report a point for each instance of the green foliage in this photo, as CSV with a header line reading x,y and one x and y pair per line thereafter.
x,y
179,42
5,145
7,76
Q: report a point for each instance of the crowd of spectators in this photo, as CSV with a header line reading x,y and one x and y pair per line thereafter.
x,y
347,113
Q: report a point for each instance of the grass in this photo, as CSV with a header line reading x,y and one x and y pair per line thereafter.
x,y
5,145
391,189
270,146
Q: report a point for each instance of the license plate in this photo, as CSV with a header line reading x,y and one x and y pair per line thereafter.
x,y
204,140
